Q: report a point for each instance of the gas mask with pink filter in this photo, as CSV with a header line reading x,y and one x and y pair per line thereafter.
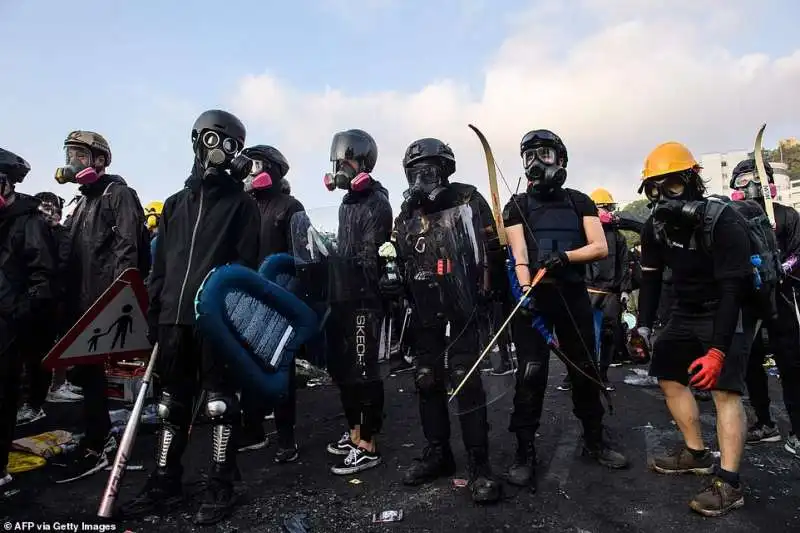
x,y
747,186
79,167
345,176
259,178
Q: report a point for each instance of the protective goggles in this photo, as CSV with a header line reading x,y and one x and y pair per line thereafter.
x,y
545,154
212,139
670,187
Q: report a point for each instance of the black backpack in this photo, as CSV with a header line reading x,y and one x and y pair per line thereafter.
x,y
764,249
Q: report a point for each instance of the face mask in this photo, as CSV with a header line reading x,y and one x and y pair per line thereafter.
x,y
258,178
50,212
606,217
544,178
79,168
346,178
424,183
216,151
679,213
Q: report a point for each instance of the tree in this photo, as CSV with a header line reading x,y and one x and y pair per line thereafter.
x,y
639,209
788,152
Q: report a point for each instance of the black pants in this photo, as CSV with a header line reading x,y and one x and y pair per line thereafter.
x,y
353,336
610,332
254,410
36,381
92,378
434,371
784,338
10,366
567,309
186,365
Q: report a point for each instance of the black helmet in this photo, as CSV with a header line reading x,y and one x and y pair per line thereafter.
x,y
431,149
749,166
276,163
355,145
222,122
13,166
536,138
50,197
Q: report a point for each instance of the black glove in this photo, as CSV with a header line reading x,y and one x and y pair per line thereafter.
x,y
555,262
391,287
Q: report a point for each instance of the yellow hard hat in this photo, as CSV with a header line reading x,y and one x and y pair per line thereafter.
x,y
667,158
602,197
152,213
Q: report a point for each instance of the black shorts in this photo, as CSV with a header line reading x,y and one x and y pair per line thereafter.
x,y
687,336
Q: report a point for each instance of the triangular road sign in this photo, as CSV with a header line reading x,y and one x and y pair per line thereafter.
x,y
114,327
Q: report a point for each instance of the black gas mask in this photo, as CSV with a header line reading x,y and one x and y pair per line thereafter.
x,y
217,153
345,176
542,169
425,183
674,205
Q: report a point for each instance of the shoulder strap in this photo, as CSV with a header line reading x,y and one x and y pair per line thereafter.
x,y
713,211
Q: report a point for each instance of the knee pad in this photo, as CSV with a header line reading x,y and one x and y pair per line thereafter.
x,y
221,407
425,379
170,408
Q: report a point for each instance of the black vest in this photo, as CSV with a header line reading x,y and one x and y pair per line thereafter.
x,y
557,227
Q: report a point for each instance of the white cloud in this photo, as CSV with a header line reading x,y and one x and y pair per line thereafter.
x,y
651,72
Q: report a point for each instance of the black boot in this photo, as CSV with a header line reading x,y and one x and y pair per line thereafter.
x,y
599,449
482,484
436,461
219,496
522,471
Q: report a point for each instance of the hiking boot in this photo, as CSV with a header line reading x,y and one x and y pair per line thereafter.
x,y
792,445
219,497
342,446
522,471
482,485
718,498
682,461
436,461
763,433
602,451
162,491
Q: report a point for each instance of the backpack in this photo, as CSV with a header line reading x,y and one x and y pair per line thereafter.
x,y
765,253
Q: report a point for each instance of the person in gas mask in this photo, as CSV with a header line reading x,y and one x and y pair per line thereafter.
x,y
365,222
267,184
609,284
35,381
28,268
706,341
209,223
783,329
428,165
107,236
558,229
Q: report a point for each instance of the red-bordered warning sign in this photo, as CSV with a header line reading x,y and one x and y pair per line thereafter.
x,y
114,327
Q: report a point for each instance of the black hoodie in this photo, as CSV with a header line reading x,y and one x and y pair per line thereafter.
x,y
210,223
28,264
277,208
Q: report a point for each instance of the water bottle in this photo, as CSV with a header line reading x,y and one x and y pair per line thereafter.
x,y
391,270
755,260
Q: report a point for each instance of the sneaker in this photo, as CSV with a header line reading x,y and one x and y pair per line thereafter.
x,y
86,463
63,395
252,439
792,445
763,433
5,479
74,389
111,445
566,385
502,368
27,415
286,454
718,498
404,364
343,446
357,460
682,461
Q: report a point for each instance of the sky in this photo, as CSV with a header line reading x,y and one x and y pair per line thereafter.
x,y
614,78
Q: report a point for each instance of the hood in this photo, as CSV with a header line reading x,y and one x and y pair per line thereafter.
x,y
353,197
22,204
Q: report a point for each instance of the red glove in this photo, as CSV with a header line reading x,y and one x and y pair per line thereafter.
x,y
710,367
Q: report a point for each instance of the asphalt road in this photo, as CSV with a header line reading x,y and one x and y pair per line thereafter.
x,y
573,493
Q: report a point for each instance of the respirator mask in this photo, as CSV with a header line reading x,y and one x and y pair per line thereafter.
x,y
748,187
258,177
671,205
79,166
346,177
424,183
542,169
217,152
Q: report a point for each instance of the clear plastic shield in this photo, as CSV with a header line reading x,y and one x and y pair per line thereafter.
x,y
331,265
444,262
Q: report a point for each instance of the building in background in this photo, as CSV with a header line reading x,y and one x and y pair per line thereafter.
x,y
717,168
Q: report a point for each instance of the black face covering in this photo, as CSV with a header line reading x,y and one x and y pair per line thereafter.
x,y
425,183
543,178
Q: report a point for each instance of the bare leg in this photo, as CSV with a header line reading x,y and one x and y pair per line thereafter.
x,y
731,429
683,408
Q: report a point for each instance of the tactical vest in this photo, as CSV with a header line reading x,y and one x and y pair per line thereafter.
x,y
556,227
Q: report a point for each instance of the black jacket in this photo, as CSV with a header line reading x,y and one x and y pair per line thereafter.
x,y
211,222
277,208
28,266
612,273
105,236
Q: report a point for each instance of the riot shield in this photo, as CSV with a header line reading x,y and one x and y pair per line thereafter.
x,y
444,258
332,265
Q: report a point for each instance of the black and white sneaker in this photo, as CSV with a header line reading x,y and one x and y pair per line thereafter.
x,y
286,454
86,463
343,446
357,460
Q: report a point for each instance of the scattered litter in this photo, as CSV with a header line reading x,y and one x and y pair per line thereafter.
x,y
408,445
564,493
355,481
641,381
296,523
716,454
387,516
128,468
400,390
460,483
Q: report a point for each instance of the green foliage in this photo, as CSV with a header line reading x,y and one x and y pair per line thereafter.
x,y
789,153
631,238
639,209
